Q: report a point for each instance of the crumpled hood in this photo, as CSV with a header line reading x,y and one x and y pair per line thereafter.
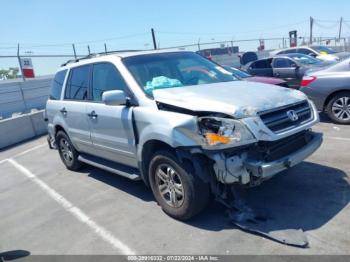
x,y
236,98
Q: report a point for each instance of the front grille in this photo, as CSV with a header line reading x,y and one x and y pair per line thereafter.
x,y
278,120
273,150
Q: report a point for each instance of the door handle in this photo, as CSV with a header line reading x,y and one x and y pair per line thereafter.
x,y
93,114
63,111
277,74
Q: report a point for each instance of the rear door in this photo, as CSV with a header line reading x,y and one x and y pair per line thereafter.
x,y
261,68
111,126
73,107
286,69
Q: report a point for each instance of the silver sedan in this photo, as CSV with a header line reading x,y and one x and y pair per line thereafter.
x,y
330,90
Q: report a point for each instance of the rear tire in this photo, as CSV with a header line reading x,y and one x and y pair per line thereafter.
x,y
338,108
69,155
175,187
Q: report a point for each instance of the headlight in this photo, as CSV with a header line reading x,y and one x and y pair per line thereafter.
x,y
224,131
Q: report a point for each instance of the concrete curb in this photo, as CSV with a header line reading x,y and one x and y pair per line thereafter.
x,y
22,127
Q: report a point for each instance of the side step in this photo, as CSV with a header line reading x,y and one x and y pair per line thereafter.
x,y
116,168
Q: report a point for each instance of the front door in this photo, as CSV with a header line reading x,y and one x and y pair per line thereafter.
x,y
112,131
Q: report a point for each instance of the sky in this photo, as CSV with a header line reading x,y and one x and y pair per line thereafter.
x,y
50,27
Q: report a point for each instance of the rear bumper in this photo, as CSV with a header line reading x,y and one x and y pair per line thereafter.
x,y
268,169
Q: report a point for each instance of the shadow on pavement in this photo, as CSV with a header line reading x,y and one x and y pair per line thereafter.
x,y
306,196
13,255
135,188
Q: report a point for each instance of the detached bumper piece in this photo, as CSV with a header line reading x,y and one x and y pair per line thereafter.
x,y
258,222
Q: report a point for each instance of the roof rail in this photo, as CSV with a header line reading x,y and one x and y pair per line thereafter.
x,y
96,55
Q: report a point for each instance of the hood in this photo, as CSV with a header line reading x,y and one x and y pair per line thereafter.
x,y
265,79
237,98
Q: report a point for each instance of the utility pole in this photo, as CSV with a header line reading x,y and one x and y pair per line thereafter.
x,y
75,53
340,27
311,27
105,48
154,39
21,68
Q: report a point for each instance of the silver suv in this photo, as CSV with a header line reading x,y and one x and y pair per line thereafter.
x,y
179,122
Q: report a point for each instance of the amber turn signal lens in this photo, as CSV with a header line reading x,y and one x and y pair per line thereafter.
x,y
214,139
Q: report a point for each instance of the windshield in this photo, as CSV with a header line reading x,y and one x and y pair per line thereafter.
x,y
305,59
323,50
236,72
176,69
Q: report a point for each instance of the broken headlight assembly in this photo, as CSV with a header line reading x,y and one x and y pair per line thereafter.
x,y
224,131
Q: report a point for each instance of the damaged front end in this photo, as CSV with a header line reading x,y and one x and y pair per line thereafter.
x,y
236,152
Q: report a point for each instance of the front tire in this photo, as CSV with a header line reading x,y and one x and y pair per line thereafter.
x,y
69,155
177,190
338,108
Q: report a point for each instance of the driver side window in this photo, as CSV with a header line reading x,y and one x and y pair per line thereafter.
x,y
105,77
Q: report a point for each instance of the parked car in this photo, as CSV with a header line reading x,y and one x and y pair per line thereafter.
x,y
290,67
330,90
139,115
318,51
242,75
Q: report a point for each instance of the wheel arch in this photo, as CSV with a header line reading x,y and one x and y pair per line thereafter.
x,y
331,95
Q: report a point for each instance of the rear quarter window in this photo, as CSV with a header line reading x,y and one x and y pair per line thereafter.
x,y
57,84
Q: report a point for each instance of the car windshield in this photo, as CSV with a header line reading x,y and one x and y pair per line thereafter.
x,y
305,59
174,69
236,72
323,49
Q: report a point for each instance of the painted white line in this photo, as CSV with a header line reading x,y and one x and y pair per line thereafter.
x,y
30,149
25,152
75,211
337,138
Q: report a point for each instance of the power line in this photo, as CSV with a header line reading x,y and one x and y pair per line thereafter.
x,y
34,45
248,31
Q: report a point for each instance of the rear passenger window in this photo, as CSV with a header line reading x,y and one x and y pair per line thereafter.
x,y
77,86
57,84
106,77
281,63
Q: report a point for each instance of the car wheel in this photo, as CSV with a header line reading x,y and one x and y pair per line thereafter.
x,y
338,108
69,155
177,190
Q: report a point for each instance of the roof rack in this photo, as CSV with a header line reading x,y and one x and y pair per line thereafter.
x,y
97,55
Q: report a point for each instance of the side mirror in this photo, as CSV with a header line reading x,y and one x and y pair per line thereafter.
x,y
312,54
114,98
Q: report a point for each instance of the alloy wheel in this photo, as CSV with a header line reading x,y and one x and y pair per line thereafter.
x,y
170,185
341,108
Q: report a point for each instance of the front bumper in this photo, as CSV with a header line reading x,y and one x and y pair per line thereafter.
x,y
257,163
268,169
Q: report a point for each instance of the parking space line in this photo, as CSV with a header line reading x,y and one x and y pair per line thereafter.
x,y
75,211
337,138
25,152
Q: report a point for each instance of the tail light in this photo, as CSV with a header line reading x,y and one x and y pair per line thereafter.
x,y
307,80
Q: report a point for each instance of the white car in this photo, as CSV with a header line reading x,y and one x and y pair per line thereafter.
x,y
320,52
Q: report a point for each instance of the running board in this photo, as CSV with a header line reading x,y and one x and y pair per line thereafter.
x,y
110,166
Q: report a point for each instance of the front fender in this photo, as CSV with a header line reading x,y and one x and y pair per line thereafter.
x,y
174,129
